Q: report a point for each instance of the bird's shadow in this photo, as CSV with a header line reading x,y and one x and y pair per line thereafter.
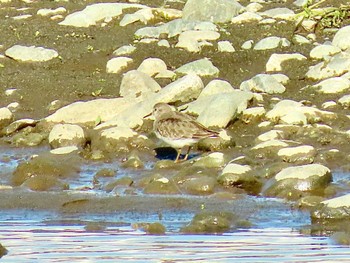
x,y
169,153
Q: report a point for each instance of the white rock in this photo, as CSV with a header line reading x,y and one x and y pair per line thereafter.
x,y
269,144
118,133
342,38
298,39
32,53
303,172
247,44
263,83
152,66
190,40
251,113
6,117
13,106
270,135
332,67
289,153
90,112
345,101
216,86
275,61
333,85
165,74
225,46
65,150
174,28
282,108
217,11
322,51
280,12
281,78
338,202
254,7
246,17
294,117
270,43
136,83
329,104
236,169
117,65
163,43
10,92
63,135
21,17
215,159
201,67
184,89
143,15
210,108
91,14
124,50
51,12
168,13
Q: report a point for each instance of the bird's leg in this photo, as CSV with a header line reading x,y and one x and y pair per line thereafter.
x,y
178,155
187,153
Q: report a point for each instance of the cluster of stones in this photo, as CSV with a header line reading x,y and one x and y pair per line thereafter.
x,y
110,126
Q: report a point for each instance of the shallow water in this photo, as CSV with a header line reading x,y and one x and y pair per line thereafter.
x,y
35,241
51,235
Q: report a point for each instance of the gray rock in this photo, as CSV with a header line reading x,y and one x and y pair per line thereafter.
x,y
136,83
310,178
237,175
271,43
17,125
32,53
91,14
342,38
63,135
210,108
298,39
201,67
263,83
275,61
117,65
301,154
217,11
334,208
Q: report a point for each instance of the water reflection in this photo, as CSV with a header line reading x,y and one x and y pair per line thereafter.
x,y
30,241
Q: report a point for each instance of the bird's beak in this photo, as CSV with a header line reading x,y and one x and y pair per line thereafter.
x,y
148,115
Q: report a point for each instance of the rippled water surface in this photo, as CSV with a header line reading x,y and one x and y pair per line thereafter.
x,y
48,235
67,240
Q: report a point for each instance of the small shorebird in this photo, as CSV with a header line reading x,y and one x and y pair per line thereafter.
x,y
178,129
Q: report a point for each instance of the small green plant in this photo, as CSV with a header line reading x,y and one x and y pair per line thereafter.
x,y
326,16
97,92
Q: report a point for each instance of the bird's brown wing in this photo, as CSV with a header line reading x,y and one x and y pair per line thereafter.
x,y
177,128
